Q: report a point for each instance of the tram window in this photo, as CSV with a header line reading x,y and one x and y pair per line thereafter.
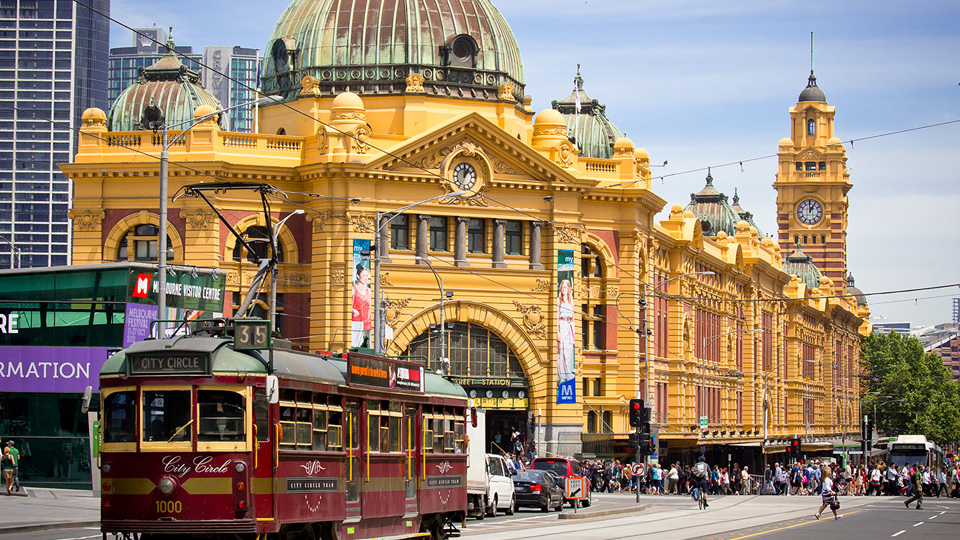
x,y
458,433
335,428
221,416
261,415
353,460
288,426
394,427
427,432
373,426
304,426
120,417
320,427
449,440
166,415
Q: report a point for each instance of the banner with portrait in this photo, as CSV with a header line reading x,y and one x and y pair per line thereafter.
x,y
566,329
362,319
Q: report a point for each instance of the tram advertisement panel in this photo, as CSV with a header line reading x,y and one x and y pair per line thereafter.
x,y
362,320
384,373
566,333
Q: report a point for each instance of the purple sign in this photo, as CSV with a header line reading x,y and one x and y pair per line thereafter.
x,y
50,369
136,326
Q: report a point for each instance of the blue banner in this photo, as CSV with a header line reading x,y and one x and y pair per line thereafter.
x,y
566,329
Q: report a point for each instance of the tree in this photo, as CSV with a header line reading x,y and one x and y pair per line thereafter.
x,y
913,392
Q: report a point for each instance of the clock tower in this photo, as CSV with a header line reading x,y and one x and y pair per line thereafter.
x,y
812,184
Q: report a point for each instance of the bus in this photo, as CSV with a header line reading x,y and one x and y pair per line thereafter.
x,y
907,450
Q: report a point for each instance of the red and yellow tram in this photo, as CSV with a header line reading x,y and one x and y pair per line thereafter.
x,y
203,438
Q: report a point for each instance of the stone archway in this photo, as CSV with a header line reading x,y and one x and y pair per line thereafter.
x,y
466,311
117,233
288,243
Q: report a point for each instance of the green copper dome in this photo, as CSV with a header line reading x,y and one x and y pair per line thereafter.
x,y
712,209
587,122
801,265
462,49
169,86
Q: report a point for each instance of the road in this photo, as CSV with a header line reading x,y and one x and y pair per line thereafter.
x,y
676,518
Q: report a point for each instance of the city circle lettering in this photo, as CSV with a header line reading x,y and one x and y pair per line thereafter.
x,y
201,465
167,364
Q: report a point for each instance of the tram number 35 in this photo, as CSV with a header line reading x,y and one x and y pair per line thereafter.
x,y
169,507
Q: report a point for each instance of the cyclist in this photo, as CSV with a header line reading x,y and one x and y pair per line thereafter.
x,y
701,471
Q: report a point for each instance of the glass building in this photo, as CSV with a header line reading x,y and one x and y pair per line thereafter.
x,y
57,328
53,65
229,73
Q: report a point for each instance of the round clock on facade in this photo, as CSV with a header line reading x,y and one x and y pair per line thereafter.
x,y
473,393
489,393
464,176
521,394
505,394
809,212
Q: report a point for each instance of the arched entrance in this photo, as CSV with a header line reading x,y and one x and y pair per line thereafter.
x,y
482,360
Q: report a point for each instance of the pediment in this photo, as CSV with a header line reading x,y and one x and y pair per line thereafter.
x,y
508,157
810,154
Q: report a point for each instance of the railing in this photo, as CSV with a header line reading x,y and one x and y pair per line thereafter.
x,y
145,142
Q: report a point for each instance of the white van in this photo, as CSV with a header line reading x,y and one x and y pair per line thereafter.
x,y
499,486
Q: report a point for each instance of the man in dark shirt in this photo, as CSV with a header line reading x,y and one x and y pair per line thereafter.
x,y
917,488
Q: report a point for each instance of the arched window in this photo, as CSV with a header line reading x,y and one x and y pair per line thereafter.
x,y
259,240
811,127
473,351
591,263
140,244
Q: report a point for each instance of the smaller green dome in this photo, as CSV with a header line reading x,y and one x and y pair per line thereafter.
x,y
169,90
587,123
801,265
712,209
744,215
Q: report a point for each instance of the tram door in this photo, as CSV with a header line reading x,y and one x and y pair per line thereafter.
x,y
411,435
264,457
352,473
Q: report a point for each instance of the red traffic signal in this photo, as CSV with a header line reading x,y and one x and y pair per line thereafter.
x,y
636,412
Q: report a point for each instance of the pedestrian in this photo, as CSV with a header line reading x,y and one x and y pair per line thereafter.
x,y
915,481
943,484
7,464
767,480
701,471
16,464
673,479
828,496
746,485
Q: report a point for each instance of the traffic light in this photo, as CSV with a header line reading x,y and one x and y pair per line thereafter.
x,y
636,412
793,449
634,440
868,437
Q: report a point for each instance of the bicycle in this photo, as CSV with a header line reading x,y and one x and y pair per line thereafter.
x,y
699,496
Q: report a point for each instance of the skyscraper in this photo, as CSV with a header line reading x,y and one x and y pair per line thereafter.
x,y
229,73
53,66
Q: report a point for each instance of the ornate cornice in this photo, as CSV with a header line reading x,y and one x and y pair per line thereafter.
x,y
86,220
532,319
199,219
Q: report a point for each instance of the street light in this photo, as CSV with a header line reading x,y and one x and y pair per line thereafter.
x,y
155,122
274,271
442,360
703,359
647,324
378,315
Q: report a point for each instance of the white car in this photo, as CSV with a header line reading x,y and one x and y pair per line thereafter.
x,y
500,494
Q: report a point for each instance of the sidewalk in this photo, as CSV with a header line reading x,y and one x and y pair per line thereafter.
x,y
35,509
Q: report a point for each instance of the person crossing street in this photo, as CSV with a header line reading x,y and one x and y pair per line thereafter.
x,y
915,479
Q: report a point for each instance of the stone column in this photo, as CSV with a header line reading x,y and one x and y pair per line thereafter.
x,y
498,225
423,238
535,228
460,243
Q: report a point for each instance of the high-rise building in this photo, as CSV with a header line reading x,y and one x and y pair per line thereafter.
x,y
229,73
53,65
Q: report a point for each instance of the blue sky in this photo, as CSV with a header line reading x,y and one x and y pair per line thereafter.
x,y
704,84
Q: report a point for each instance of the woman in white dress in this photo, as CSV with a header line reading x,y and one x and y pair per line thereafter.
x,y
565,333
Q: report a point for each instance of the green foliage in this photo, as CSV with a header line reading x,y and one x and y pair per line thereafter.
x,y
912,391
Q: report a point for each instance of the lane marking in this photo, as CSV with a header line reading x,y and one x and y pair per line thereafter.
x,y
789,527
918,524
933,516
898,533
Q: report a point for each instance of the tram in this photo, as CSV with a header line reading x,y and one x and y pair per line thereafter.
x,y
225,434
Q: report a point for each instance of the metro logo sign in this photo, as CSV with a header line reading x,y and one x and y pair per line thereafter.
x,y
142,288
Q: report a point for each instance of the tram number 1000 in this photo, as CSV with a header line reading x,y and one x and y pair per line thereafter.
x,y
169,507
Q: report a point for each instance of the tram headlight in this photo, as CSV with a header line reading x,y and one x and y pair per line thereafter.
x,y
240,467
167,485
106,468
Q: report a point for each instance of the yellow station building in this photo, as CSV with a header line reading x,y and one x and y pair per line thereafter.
x,y
422,119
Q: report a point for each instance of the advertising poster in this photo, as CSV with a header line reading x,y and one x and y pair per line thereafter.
x,y
566,331
362,320
384,373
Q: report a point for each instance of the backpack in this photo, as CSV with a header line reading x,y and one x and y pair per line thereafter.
x,y
701,470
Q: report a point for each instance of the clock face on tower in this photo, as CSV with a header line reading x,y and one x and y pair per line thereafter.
x,y
464,176
809,212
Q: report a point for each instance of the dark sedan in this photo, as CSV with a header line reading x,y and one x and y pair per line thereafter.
x,y
538,489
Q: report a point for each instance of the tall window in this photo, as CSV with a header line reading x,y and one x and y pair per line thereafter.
x,y
599,338
591,263
767,341
473,351
438,233
400,232
513,237
811,127
140,244
476,235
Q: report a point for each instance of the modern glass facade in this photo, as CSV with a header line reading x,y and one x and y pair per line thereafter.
x,y
57,328
53,64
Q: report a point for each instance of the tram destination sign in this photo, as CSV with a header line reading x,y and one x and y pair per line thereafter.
x,y
169,364
386,373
